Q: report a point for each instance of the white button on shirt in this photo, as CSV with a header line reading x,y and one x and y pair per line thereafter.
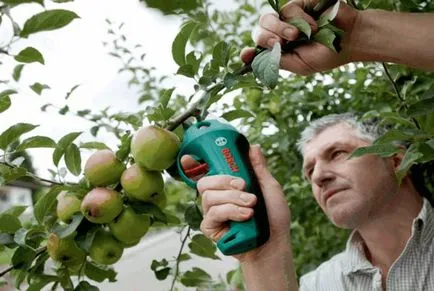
x,y
349,270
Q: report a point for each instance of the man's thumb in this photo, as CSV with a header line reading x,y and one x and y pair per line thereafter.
x,y
259,165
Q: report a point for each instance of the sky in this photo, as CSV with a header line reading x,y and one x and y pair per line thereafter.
x,y
75,55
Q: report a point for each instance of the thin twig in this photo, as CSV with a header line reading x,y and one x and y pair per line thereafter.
x,y
398,93
39,252
36,177
193,110
177,258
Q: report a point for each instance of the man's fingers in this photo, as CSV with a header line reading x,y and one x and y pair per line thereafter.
x,y
212,198
247,55
187,162
220,182
294,9
214,222
283,30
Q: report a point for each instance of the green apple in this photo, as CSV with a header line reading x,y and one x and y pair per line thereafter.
x,y
129,226
129,245
155,148
159,199
103,168
105,249
101,205
67,205
65,250
140,184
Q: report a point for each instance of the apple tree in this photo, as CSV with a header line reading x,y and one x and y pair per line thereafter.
x,y
79,228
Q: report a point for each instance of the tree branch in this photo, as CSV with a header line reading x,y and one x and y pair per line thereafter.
x,y
177,258
39,252
51,182
398,93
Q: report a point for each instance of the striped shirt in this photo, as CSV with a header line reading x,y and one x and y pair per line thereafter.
x,y
350,270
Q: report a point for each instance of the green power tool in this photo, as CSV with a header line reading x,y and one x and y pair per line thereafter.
x,y
222,150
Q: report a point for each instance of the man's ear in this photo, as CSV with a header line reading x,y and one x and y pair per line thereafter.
x,y
397,159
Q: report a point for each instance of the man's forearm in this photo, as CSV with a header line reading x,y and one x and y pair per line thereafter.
x,y
405,38
275,272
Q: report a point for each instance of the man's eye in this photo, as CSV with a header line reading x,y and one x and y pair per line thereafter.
x,y
338,153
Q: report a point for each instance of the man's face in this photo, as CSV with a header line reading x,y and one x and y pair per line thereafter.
x,y
352,191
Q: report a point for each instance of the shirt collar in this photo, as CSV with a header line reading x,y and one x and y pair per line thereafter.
x,y
423,224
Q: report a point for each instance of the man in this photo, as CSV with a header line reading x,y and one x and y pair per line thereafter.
x,y
391,247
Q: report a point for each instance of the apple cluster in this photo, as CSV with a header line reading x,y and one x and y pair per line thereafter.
x,y
108,204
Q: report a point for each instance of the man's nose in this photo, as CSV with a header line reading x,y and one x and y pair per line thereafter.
x,y
322,174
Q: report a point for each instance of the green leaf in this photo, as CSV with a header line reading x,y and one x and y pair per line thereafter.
x,y
64,110
393,135
93,145
234,114
46,204
16,210
70,91
173,6
193,61
202,246
186,70
73,159
329,15
275,5
178,45
220,54
9,223
85,286
5,103
160,269
16,75
29,55
22,258
68,139
410,158
193,216
38,87
47,20
326,37
23,235
427,151
36,142
266,66
184,257
13,133
382,150
124,148
57,155
301,25
424,106
149,208
39,281
66,230
17,2
11,174
62,144
165,96
195,277
84,240
99,273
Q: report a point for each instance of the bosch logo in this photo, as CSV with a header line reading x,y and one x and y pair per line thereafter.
x,y
221,141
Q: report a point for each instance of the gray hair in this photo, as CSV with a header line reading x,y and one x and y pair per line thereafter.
x,y
365,129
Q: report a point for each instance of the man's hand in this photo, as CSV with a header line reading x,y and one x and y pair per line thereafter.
x,y
306,59
223,199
